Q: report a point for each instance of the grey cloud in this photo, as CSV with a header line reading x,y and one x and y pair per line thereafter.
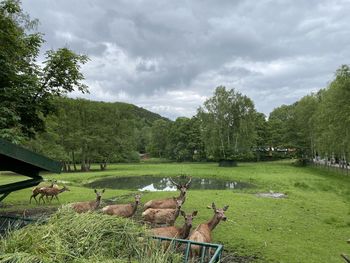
x,y
273,51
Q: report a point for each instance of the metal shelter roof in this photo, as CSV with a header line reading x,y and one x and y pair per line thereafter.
x,y
22,161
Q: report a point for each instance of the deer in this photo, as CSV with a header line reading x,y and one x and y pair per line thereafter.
x,y
127,210
202,233
162,216
169,203
176,232
36,190
82,207
51,191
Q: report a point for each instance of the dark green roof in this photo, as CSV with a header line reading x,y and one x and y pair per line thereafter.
x,y
20,160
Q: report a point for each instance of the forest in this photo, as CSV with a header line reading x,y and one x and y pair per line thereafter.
x,y
226,127
36,111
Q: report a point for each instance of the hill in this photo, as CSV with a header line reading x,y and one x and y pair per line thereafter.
x,y
84,131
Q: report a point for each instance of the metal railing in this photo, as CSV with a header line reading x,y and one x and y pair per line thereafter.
x,y
205,254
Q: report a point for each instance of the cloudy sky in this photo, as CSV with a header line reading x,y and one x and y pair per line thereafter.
x,y
168,56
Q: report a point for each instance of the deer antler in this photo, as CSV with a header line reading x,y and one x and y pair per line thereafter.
x,y
173,182
188,183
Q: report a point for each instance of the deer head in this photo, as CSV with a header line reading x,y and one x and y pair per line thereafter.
x,y
219,213
189,217
137,198
99,194
182,187
65,188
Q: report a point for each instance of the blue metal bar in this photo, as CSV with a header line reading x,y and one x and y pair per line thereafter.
x,y
215,258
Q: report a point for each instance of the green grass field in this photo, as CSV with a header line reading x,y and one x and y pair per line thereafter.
x,y
311,225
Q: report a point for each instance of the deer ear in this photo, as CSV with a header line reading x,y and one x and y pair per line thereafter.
x,y
225,207
194,213
213,206
183,213
95,191
103,190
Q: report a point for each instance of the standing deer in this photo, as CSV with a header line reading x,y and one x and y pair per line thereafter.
x,y
169,202
37,189
176,232
163,216
127,210
82,207
53,192
203,232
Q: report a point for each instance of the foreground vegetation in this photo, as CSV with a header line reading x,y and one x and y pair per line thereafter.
x,y
89,237
310,225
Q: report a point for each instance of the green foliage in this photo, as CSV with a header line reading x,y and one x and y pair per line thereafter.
x,y
85,131
89,237
318,124
227,124
27,90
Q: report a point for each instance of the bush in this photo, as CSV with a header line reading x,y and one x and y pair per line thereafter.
x,y
89,237
227,163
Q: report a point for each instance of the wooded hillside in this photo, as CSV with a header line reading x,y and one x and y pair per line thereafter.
x,y
83,131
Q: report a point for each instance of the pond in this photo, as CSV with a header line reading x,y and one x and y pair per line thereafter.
x,y
154,183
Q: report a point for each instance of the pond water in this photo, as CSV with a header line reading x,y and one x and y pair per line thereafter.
x,y
153,183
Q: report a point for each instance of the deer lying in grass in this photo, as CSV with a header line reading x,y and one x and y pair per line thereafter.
x,y
203,232
169,202
176,232
163,216
127,210
36,190
82,207
53,192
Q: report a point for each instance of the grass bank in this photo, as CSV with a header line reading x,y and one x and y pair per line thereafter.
x,y
310,225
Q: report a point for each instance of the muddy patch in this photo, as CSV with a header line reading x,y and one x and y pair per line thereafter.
x,y
272,194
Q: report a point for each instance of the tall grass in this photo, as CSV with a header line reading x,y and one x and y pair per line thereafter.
x,y
89,237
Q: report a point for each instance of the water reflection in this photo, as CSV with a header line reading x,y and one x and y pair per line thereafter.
x,y
152,183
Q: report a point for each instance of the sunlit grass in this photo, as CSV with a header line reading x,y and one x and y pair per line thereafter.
x,y
310,225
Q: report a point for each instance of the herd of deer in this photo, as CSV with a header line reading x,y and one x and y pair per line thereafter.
x,y
156,212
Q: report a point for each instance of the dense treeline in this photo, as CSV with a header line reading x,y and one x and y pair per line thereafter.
x,y
82,132
226,127
318,125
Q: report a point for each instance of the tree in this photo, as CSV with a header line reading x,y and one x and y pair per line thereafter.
x,y
227,124
26,89
159,138
333,122
305,125
281,127
184,143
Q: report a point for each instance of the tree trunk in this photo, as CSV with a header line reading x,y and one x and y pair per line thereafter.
x,y
74,164
103,166
84,167
64,167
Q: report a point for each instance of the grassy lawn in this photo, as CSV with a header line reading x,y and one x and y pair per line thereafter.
x,y
311,225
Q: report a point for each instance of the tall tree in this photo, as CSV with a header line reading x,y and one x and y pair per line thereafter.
x,y
159,138
227,124
26,89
